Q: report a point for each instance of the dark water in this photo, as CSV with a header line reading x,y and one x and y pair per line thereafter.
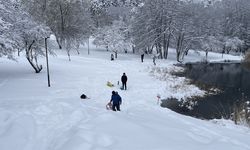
x,y
233,80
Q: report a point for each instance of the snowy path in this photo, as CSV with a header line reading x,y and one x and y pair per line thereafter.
x,y
34,117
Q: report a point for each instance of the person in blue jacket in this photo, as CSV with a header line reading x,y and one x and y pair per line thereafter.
x,y
116,101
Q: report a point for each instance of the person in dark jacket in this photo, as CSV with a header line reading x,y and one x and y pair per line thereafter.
x,y
124,79
116,101
112,57
142,57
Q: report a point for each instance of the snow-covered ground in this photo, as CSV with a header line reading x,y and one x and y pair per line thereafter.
x,y
35,117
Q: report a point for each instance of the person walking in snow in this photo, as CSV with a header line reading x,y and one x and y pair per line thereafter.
x,y
142,57
154,57
112,57
124,79
116,101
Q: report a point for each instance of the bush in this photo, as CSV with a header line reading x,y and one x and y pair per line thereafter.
x,y
241,114
246,61
247,58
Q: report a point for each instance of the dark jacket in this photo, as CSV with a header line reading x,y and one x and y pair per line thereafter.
x,y
124,78
116,99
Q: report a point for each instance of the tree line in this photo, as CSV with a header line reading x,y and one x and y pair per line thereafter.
x,y
220,26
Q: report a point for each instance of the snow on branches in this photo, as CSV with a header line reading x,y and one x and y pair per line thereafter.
x,y
20,32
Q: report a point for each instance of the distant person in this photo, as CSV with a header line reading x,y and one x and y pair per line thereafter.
x,y
154,58
112,57
142,57
116,101
124,79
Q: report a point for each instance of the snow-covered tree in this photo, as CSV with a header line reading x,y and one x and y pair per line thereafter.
x,y
113,37
233,44
184,25
8,38
70,21
211,43
21,32
7,43
153,26
236,20
99,14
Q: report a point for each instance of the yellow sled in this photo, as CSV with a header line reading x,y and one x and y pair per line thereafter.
x,y
109,84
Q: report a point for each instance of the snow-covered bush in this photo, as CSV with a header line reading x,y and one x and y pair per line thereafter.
x,y
247,57
241,112
246,61
233,44
211,43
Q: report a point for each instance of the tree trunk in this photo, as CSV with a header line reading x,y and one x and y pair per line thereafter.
x,y
78,52
62,28
68,53
164,43
150,49
116,54
58,43
178,49
179,46
30,57
37,68
18,52
168,42
44,6
159,50
62,19
77,48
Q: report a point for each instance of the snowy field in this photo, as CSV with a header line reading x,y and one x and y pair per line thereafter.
x,y
35,117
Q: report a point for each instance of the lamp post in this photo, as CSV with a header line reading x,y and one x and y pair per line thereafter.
x,y
88,46
47,60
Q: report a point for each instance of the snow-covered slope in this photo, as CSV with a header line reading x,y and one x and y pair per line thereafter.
x,y
35,117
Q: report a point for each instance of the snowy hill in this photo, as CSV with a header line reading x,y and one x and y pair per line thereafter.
x,y
35,117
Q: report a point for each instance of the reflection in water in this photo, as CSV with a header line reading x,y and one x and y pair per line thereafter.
x,y
231,78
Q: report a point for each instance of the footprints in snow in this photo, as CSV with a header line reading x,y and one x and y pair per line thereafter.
x,y
87,141
2,83
200,135
85,137
74,129
17,128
